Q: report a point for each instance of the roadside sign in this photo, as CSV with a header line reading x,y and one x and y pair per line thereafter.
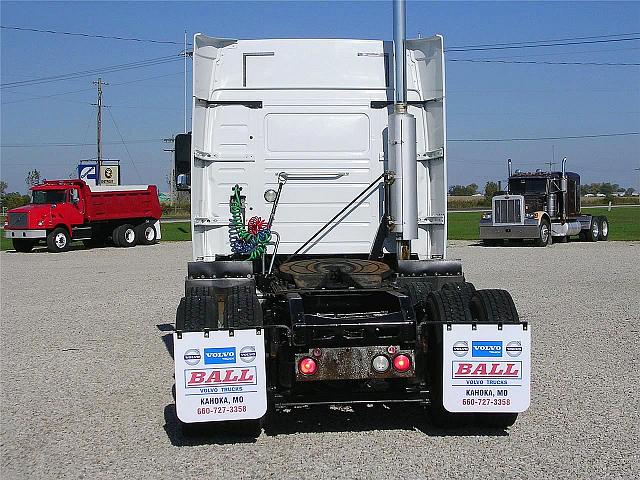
x,y
88,172
109,175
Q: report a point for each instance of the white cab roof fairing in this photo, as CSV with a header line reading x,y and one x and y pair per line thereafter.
x,y
315,117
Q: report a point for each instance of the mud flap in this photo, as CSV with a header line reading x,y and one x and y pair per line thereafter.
x,y
486,369
220,376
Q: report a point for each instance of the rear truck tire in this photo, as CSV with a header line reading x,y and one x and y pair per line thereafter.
x,y
58,240
128,237
488,306
23,245
242,308
146,233
417,292
466,289
196,313
115,236
447,306
593,232
494,306
603,223
544,235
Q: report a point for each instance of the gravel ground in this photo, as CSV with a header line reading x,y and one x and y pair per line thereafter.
x,y
86,377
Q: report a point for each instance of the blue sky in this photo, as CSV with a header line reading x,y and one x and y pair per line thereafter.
x,y
485,100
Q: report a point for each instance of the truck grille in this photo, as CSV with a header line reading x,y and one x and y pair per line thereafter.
x,y
507,211
18,220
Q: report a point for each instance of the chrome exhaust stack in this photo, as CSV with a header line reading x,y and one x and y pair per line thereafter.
x,y
563,190
509,166
402,146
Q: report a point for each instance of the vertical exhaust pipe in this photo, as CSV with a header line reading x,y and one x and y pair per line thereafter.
x,y
509,166
399,55
402,146
563,190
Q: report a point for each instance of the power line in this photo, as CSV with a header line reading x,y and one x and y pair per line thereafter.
x,y
87,73
550,40
124,144
73,144
87,89
542,62
531,139
91,35
542,43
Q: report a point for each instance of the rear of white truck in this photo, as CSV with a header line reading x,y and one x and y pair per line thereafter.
x,y
319,272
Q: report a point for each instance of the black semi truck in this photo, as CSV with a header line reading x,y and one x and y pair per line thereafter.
x,y
543,207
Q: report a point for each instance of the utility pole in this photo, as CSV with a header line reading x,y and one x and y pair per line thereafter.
x,y
185,81
172,177
99,84
551,164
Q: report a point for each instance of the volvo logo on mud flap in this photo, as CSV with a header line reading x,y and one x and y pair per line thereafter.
x,y
248,354
216,356
513,349
485,348
192,356
461,348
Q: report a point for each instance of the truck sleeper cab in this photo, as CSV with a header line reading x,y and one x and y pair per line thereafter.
x,y
62,211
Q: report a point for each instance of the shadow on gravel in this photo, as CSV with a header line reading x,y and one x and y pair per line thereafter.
x,y
363,419
167,339
199,434
319,420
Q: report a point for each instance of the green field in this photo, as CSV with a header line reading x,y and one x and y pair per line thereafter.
x,y
624,223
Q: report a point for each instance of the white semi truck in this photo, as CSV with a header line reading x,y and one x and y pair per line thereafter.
x,y
320,273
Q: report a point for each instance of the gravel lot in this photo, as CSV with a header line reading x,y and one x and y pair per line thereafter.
x,y
86,377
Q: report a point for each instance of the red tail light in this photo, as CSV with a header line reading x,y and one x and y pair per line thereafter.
x,y
401,363
307,366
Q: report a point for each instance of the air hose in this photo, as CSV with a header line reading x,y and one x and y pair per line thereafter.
x,y
252,240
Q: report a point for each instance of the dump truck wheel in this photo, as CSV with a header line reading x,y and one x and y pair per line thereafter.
x,y
544,235
127,236
466,289
23,245
603,224
58,240
146,233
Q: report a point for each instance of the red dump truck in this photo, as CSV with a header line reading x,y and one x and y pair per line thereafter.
x,y
65,210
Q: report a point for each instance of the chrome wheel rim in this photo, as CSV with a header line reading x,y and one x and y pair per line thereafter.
x,y
129,235
595,230
149,233
544,233
61,240
605,228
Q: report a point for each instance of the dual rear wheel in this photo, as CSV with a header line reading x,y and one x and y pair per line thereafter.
x,y
128,235
458,305
198,310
